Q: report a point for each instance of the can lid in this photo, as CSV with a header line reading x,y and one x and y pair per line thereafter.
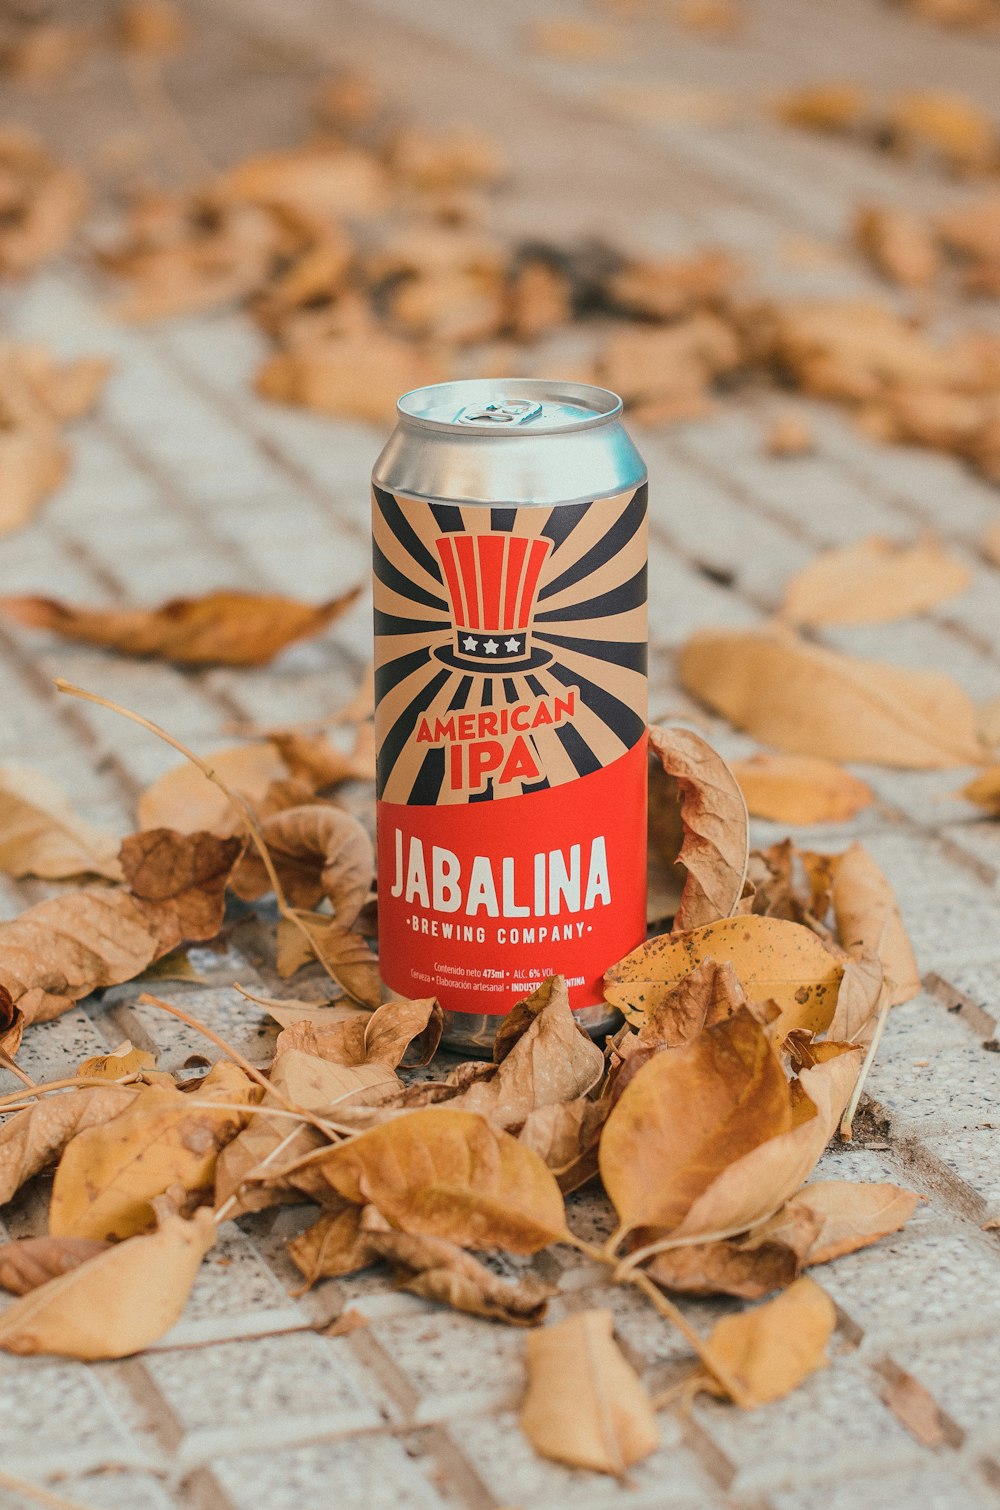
x,y
510,406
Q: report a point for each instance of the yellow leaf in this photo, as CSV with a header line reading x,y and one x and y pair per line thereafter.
x,y
869,921
800,789
773,959
716,845
812,701
771,1348
117,1303
873,581
40,835
584,1404
109,1175
186,801
124,1060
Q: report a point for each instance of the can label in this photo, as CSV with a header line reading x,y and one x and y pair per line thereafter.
x,y
510,691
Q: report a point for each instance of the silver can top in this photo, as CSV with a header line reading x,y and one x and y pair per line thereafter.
x,y
510,404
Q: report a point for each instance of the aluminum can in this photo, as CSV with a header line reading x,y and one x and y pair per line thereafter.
x,y
510,552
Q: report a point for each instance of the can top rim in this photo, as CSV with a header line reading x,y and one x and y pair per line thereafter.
x,y
546,406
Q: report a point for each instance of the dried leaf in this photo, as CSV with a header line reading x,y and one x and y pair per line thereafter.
x,y
443,1174
836,106
42,203
687,1116
899,244
715,850
874,581
224,628
566,1135
584,1404
351,376
770,1349
345,956
800,789
110,1174
859,1000
33,1139
40,835
789,435
152,26
581,41
333,1246
813,701
318,851
124,1060
327,179
773,959
353,1037
869,921
316,760
984,790
852,1216
187,801
947,124
914,1407
117,1303
33,1261
179,882
708,995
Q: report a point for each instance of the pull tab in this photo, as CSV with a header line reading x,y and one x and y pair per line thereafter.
x,y
512,411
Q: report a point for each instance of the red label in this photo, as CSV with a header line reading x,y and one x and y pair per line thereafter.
x,y
480,901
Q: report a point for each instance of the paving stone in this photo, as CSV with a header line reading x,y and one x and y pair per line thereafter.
x,y
54,1050
116,1489
503,1459
272,1391
235,1295
784,1445
943,1487
933,1284
938,1091
357,1474
455,1363
973,1157
57,1414
961,1375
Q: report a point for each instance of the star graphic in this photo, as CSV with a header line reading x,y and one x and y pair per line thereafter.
x,y
469,643
512,645
491,647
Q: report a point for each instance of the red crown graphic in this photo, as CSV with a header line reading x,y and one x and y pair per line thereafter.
x,y
492,582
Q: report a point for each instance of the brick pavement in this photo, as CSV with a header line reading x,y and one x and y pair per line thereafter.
x,y
184,481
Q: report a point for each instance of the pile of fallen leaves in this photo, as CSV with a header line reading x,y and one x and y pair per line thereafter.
x,y
748,1028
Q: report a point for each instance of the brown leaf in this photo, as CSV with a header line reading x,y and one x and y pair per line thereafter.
x,y
33,1261
124,1060
851,1216
899,244
325,179
869,921
914,1407
109,1174
708,995
187,801
351,376
566,1135
225,628
345,956
318,851
384,1036
874,581
768,1258
40,835
42,203
333,1246
45,51
715,850
316,760
859,1000
984,790
37,394
33,1139
773,960
686,1116
950,125
179,881
443,1173
813,701
769,1350
584,1403
117,1303
581,41
800,789
670,365
667,289
152,26
835,106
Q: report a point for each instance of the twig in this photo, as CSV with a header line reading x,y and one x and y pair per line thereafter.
x,y
230,1201
40,1495
18,1100
666,1308
847,1121
242,807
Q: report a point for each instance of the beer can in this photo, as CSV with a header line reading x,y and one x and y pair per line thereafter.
x,y
510,552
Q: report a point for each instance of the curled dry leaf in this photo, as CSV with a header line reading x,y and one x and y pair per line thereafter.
x,y
124,1060
32,1139
874,581
584,1403
59,951
33,1261
442,1174
110,1174
226,628
869,921
716,843
812,701
345,956
117,1303
352,1036
566,1135
318,851
40,835
800,789
37,395
900,244
773,960
768,1350
314,759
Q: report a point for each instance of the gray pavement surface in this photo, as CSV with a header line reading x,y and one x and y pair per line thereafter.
x,y
185,481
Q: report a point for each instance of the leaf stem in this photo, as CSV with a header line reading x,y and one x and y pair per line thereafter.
x,y
847,1121
666,1308
41,1496
19,1100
